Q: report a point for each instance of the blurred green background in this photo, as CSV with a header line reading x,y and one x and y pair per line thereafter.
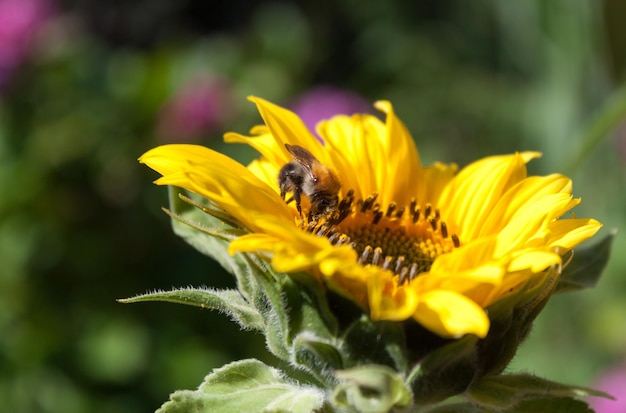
x,y
88,86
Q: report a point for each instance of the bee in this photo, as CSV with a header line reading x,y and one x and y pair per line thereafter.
x,y
307,175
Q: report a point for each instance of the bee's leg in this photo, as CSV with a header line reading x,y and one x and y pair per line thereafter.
x,y
283,194
283,190
296,197
285,181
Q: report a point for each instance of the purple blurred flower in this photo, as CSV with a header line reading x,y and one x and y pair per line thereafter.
x,y
20,21
199,107
324,102
612,382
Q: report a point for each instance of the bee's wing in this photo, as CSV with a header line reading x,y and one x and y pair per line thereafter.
x,y
304,158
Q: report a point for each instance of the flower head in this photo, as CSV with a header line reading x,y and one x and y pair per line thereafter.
x,y
403,241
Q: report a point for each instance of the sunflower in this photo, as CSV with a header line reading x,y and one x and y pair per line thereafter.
x,y
403,241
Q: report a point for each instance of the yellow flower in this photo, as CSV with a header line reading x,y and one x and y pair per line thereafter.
x,y
405,241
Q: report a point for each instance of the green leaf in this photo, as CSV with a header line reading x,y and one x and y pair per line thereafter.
x,y
463,407
548,405
536,405
371,389
246,386
229,302
586,266
510,390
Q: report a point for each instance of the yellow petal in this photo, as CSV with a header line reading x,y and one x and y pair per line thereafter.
x,y
403,166
468,258
387,299
449,314
265,144
356,144
343,260
253,243
436,177
474,192
524,193
286,127
266,171
529,226
533,259
219,178
567,233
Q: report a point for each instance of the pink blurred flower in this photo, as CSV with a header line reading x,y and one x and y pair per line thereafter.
x,y
324,102
20,20
198,108
612,382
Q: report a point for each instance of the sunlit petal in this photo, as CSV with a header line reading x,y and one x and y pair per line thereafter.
x,y
451,315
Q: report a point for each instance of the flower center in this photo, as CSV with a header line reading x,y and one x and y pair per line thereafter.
x,y
403,239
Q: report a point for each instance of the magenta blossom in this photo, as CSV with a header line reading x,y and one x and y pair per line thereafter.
x,y
612,382
198,108
20,21
324,102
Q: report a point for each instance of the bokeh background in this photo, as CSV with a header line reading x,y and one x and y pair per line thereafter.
x,y
86,86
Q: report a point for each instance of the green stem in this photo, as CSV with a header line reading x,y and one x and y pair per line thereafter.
x,y
605,121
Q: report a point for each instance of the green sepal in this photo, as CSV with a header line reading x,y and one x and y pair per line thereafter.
x,y
199,226
511,321
586,266
510,392
308,308
376,342
246,386
269,301
209,230
293,307
308,329
288,305
229,302
371,389
444,372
